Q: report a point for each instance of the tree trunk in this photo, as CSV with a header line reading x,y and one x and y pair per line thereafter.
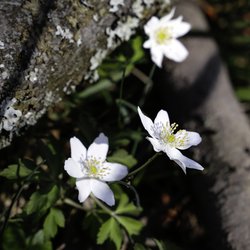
x,y
49,47
201,91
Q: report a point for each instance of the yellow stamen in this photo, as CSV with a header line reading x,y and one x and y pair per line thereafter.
x,y
162,35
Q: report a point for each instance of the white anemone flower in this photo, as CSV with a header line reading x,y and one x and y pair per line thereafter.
x,y
92,171
163,34
163,138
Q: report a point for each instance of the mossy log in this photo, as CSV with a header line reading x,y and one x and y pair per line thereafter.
x,y
201,95
49,47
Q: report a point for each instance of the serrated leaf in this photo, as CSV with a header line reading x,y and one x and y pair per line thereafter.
x,y
110,230
104,232
54,219
15,171
132,226
122,156
38,242
126,207
40,202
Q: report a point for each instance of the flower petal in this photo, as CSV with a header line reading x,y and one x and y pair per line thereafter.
x,y
179,28
102,191
116,171
78,151
166,18
73,168
84,188
99,148
175,51
162,118
183,161
157,55
146,122
156,144
147,44
188,138
150,26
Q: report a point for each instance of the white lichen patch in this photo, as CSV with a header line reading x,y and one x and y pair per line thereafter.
x,y
5,75
97,59
123,31
148,3
10,116
138,8
2,45
64,33
79,41
69,88
32,76
96,17
115,4
2,66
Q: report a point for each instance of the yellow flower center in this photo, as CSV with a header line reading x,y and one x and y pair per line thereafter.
x,y
162,35
94,168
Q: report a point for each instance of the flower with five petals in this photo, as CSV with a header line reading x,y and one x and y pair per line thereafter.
x,y
163,138
92,171
163,34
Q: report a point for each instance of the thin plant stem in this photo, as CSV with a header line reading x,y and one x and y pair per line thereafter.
x,y
121,94
73,204
144,165
133,189
152,71
104,207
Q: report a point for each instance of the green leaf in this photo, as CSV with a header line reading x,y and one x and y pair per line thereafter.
x,y
122,156
139,246
126,207
40,202
160,244
243,94
54,219
110,229
38,242
132,226
15,171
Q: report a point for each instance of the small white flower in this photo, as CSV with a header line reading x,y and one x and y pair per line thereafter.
x,y
92,171
164,139
163,34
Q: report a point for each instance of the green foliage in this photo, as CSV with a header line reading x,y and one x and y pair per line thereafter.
x,y
54,219
123,157
38,242
243,94
16,171
132,226
40,202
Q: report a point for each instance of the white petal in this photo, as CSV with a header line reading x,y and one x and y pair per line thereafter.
x,y
162,118
115,171
146,122
183,161
73,168
157,55
102,191
166,18
179,28
78,151
175,51
99,148
84,188
190,139
150,26
147,44
155,143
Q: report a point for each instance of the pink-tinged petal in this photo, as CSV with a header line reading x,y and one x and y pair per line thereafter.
x,y
183,161
162,118
166,18
150,26
73,168
175,51
99,148
115,171
179,28
78,151
146,122
157,55
187,138
102,191
84,188
156,144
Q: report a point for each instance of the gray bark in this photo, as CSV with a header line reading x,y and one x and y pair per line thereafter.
x,y
49,47
201,92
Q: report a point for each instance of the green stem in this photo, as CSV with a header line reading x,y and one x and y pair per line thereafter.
x,y
73,204
144,165
104,207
